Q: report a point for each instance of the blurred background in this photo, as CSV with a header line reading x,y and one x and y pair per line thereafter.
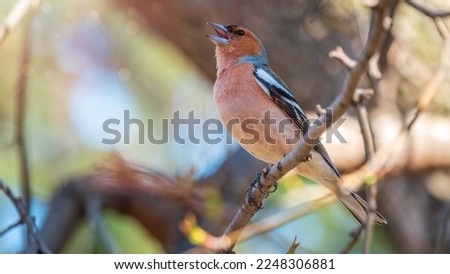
x,y
89,61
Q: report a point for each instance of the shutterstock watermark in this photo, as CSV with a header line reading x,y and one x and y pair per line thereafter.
x,y
193,130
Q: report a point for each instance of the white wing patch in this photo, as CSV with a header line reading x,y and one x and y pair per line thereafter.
x,y
264,75
284,94
266,90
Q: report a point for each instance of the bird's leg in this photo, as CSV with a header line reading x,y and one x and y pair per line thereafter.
x,y
255,184
263,173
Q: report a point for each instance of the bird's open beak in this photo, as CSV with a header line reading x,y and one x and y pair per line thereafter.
x,y
223,34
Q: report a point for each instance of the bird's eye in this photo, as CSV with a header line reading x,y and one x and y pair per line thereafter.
x,y
240,32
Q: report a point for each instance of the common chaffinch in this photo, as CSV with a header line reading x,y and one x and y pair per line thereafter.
x,y
261,114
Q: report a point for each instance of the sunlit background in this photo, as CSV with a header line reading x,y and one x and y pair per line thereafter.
x,y
91,61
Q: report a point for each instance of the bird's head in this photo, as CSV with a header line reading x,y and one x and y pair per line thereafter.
x,y
236,44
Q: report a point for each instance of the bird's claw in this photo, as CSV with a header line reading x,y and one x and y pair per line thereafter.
x,y
255,184
279,166
275,187
264,172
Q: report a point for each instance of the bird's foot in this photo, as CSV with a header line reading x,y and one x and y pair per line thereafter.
x,y
255,184
264,172
279,166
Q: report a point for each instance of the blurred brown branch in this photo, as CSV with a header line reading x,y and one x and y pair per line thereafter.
x,y
20,112
26,219
435,84
386,154
340,55
427,9
10,227
93,208
152,198
265,225
369,148
354,236
16,14
361,97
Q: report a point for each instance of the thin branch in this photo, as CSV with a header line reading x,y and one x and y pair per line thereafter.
x,y
354,237
20,109
262,185
294,246
93,213
10,227
339,54
265,225
374,74
273,222
361,96
20,127
439,76
25,218
428,10
374,69
378,166
369,147
15,15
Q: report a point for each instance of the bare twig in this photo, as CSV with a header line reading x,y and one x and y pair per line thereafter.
x,y
428,10
378,166
339,54
369,147
10,227
15,15
294,246
284,217
25,218
319,110
360,98
265,225
262,185
438,78
20,127
93,213
20,109
374,69
354,236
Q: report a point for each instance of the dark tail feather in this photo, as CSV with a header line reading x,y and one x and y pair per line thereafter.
x,y
358,207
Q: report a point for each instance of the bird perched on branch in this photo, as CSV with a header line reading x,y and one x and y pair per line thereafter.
x,y
261,114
